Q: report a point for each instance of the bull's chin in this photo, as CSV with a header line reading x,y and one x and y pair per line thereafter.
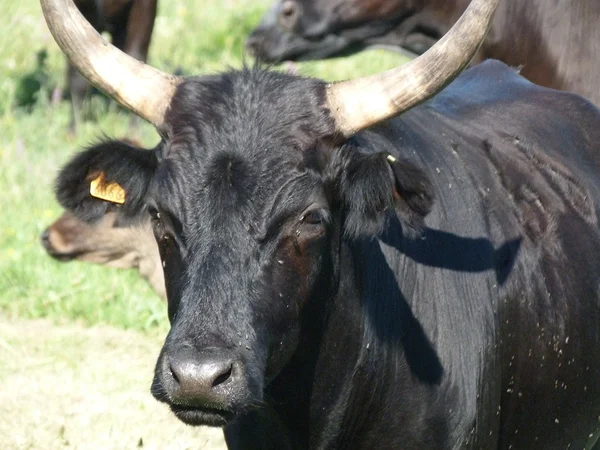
x,y
202,416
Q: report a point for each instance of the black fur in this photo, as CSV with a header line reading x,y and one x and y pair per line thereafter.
x,y
372,187
130,167
320,299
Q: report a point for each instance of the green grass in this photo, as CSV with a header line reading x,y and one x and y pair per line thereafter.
x,y
199,36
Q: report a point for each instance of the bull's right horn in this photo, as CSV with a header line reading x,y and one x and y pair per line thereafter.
x,y
139,87
361,103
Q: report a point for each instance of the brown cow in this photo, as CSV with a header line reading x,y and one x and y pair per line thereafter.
x,y
106,243
129,23
557,43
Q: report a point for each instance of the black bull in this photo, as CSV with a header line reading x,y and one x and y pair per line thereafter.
x,y
557,44
305,313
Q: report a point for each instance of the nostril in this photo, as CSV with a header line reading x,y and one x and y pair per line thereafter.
x,y
173,374
222,378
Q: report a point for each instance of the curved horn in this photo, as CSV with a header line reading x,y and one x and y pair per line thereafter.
x,y
361,103
137,86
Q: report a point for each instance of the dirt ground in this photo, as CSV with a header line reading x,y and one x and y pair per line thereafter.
x,y
85,388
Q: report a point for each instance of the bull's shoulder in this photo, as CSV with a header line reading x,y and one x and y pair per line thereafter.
x,y
533,152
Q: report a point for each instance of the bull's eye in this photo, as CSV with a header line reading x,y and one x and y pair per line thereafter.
x,y
154,214
310,228
313,217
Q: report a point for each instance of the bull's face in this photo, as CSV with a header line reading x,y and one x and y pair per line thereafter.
x,y
248,220
316,29
243,219
251,192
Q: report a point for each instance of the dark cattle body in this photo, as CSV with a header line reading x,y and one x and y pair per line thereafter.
x,y
128,22
429,282
557,44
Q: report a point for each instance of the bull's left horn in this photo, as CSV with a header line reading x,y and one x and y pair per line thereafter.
x,y
137,86
361,103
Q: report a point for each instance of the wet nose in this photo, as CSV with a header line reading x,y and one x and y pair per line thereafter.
x,y
203,378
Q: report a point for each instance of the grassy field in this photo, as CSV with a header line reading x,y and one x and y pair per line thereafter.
x,y
199,36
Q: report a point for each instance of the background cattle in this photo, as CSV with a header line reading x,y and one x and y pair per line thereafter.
x,y
128,22
557,44
108,243
319,296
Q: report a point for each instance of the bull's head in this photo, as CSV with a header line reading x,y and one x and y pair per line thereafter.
x,y
256,184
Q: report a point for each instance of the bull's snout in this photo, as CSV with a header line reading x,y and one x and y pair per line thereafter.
x,y
206,379
205,386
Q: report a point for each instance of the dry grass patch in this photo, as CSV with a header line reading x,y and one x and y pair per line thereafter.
x,y
85,388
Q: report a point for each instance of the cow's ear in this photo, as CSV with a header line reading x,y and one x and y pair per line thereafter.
x,y
109,176
373,186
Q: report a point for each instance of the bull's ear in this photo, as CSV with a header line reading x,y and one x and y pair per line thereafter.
x,y
109,176
373,186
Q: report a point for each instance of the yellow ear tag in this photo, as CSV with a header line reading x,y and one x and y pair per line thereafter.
x,y
391,159
111,192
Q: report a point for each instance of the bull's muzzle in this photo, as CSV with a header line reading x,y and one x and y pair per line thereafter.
x,y
201,387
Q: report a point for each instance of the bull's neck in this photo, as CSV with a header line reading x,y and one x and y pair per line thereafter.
x,y
339,343
362,348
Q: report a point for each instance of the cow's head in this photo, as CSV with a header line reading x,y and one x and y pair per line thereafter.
x,y
107,242
316,29
255,183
